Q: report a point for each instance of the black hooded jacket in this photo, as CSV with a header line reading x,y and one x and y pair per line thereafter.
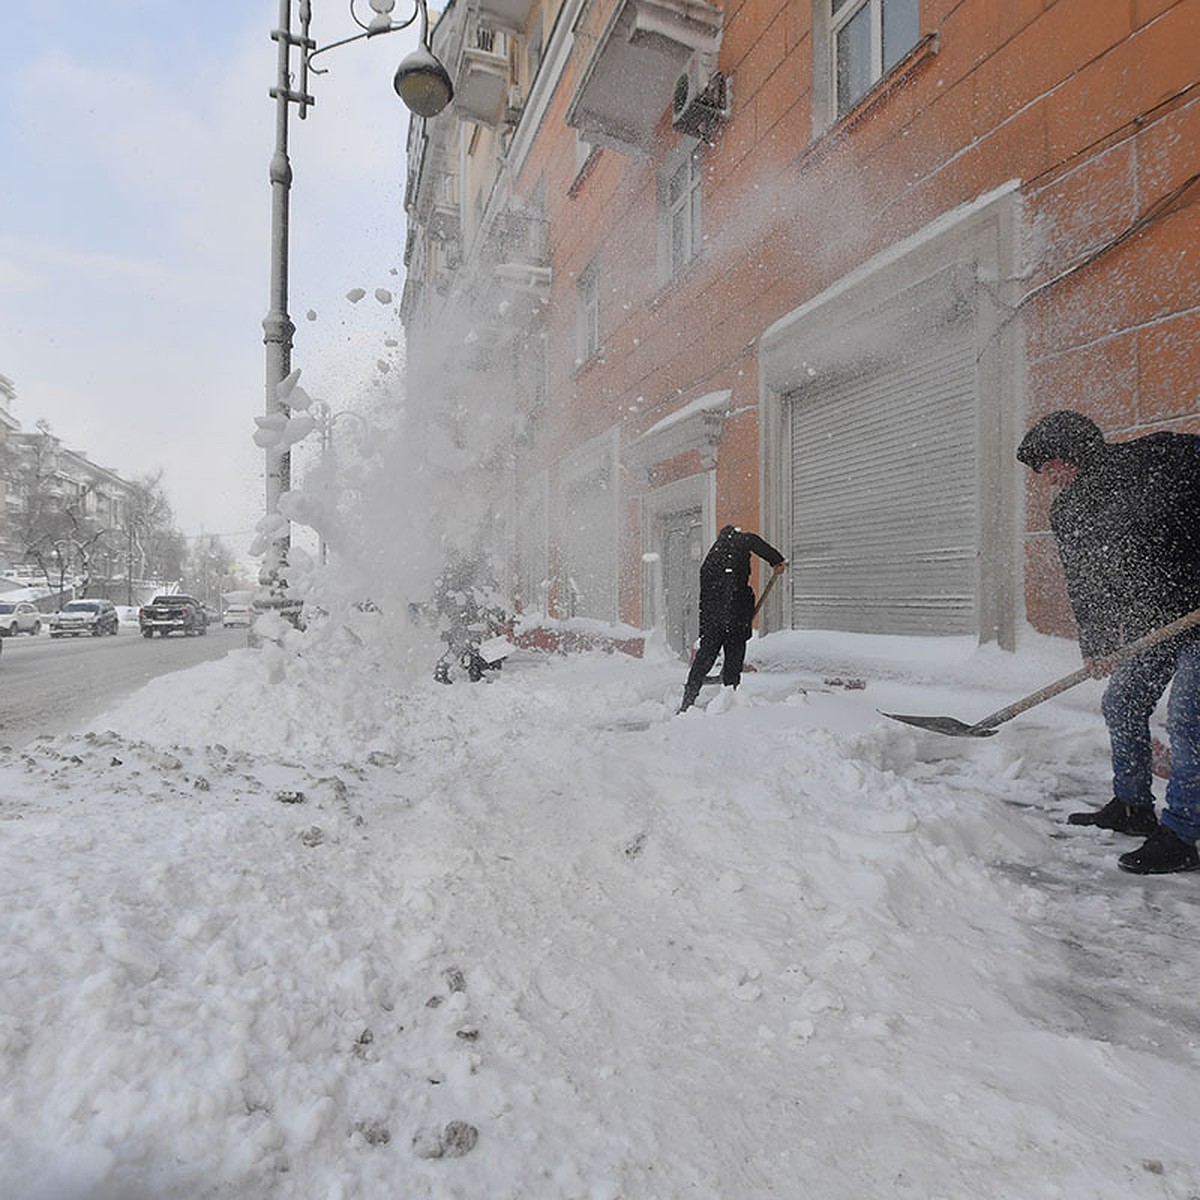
x,y
726,598
1128,532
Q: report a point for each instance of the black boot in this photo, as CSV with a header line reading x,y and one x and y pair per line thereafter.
x,y
690,695
1163,853
1135,819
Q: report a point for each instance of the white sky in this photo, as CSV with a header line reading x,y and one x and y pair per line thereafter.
x,y
135,138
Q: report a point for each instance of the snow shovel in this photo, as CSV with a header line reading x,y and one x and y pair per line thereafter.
x,y
985,728
765,593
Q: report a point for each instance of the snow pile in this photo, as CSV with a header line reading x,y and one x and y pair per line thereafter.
x,y
361,935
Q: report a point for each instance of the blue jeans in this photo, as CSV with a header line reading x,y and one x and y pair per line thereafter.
x,y
1133,691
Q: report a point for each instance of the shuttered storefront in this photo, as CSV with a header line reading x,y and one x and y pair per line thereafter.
x,y
884,497
589,549
531,536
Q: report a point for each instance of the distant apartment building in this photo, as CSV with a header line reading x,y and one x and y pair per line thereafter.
x,y
57,502
810,267
8,426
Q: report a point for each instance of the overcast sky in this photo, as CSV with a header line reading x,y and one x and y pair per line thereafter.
x,y
135,139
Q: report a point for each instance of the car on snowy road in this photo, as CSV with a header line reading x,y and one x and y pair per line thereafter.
x,y
19,616
174,613
236,614
96,617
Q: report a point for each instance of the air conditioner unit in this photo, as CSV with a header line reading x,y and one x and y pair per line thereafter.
x,y
702,98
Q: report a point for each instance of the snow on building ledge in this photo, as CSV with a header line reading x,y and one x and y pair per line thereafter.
x,y
696,426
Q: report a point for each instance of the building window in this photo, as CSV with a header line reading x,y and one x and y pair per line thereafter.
x,y
869,37
681,197
680,229
589,314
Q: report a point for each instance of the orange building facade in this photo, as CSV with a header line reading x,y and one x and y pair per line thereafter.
x,y
810,267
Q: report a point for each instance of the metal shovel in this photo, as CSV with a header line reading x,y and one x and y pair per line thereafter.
x,y
952,727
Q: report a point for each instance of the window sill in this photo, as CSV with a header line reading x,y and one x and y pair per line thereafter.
x,y
901,74
584,365
581,176
678,281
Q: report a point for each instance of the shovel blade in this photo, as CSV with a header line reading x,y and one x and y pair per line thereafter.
x,y
950,726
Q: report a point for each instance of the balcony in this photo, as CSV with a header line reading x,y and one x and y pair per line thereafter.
x,y
628,83
483,78
445,223
524,278
509,15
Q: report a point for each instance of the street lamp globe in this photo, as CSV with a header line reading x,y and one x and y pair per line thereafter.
x,y
423,83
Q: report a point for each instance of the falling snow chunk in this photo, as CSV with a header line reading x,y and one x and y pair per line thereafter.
x,y
298,428
271,523
286,385
383,295
354,295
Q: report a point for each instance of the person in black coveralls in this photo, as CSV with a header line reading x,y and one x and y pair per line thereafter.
x,y
726,607
1127,523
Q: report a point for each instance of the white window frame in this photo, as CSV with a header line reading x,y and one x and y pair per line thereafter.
x,y
588,293
688,207
827,25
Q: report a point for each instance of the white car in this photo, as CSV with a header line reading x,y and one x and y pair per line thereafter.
x,y
236,614
19,616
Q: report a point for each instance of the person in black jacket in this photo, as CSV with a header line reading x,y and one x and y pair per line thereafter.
x,y
1127,524
726,607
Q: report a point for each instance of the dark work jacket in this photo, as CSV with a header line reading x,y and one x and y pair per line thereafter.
x,y
726,598
1128,532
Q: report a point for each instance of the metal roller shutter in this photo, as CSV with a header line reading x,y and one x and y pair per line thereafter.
x,y
884,508
590,549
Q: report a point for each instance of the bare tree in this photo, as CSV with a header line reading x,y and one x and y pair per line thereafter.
x,y
212,570
155,549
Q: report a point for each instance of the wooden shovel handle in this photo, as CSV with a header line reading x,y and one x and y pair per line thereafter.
x,y
765,593
1153,638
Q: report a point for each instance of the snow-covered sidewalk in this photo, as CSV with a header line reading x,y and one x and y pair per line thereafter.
x,y
539,938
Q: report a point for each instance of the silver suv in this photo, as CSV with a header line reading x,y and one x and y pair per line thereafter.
x,y
85,616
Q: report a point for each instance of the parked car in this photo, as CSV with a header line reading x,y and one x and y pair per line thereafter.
x,y
19,616
96,617
236,614
175,613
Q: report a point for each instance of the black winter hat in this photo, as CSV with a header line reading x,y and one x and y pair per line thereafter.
x,y
1064,434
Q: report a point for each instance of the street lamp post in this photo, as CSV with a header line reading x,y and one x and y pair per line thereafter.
x,y
424,86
